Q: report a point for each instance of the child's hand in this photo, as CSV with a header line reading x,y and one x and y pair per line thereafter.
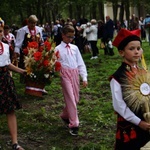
x,y
144,125
24,72
85,83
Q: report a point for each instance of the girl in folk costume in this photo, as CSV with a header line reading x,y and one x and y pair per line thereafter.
x,y
130,93
26,34
8,96
72,65
9,38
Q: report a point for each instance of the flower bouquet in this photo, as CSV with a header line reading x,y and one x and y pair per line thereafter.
x,y
40,63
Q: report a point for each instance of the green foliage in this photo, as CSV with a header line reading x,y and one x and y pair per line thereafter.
x,y
16,11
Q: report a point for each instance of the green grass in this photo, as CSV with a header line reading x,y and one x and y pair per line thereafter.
x,y
39,125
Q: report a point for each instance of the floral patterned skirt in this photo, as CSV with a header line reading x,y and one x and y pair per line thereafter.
x,y
8,95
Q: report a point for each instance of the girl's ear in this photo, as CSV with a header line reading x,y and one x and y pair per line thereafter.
x,y
121,52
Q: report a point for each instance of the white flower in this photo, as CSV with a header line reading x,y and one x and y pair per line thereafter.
x,y
46,75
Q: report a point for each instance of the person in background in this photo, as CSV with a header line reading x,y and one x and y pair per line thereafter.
x,y
72,65
117,26
28,33
108,36
8,97
141,27
134,22
81,27
101,33
100,29
47,29
9,39
124,24
78,37
132,129
57,32
14,29
92,37
146,23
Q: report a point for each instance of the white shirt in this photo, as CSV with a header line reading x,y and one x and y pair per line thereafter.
x,y
71,58
83,27
55,29
119,104
9,38
20,36
91,33
5,57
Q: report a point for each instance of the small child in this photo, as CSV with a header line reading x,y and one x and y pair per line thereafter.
x,y
132,129
72,65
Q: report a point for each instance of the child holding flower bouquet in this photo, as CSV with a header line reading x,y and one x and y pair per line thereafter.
x,y
8,97
72,65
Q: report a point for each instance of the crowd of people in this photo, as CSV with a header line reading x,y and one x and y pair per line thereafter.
x,y
88,32
71,37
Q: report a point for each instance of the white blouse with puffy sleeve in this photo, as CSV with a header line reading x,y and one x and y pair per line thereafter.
x,y
5,56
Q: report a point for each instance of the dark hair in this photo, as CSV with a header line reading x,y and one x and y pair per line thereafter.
x,y
127,40
6,27
68,28
25,22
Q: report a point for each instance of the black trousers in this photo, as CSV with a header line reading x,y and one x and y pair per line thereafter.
x,y
94,48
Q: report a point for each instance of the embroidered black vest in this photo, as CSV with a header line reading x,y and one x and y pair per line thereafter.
x,y
128,134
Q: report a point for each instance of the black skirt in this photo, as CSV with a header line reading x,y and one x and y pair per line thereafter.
x,y
8,95
130,136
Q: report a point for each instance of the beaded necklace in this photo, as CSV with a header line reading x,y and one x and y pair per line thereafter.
x,y
1,48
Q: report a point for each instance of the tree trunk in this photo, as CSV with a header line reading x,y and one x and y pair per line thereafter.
x,y
115,11
70,10
94,6
127,5
121,12
101,10
78,10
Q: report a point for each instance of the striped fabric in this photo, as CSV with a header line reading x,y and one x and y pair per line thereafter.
x,y
70,88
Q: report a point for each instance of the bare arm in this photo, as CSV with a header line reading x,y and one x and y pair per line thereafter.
x,y
16,69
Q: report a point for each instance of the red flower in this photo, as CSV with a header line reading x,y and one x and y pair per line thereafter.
x,y
33,45
25,51
37,56
47,45
40,64
57,54
41,48
57,66
45,62
11,48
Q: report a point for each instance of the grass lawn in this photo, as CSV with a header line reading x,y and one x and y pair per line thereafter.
x,y
39,125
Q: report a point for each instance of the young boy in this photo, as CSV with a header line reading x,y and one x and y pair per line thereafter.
x,y
132,129
72,65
